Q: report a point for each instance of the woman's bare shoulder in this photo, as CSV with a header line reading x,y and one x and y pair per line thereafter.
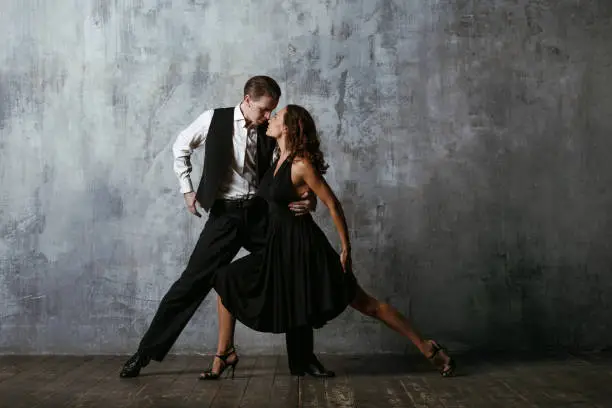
x,y
302,164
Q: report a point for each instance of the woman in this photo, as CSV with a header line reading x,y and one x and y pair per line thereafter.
x,y
298,279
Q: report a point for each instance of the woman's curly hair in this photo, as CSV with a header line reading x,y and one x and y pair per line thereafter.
x,y
302,138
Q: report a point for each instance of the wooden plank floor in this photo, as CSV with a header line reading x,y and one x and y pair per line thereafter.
x,y
264,381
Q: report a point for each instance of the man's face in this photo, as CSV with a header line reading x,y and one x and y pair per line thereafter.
x,y
259,111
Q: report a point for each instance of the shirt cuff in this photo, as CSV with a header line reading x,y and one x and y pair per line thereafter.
x,y
186,186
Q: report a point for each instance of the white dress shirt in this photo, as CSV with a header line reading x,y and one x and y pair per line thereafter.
x,y
233,185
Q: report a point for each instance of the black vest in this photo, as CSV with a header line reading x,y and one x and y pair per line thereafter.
x,y
218,154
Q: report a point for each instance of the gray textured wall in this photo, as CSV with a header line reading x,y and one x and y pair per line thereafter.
x,y
469,143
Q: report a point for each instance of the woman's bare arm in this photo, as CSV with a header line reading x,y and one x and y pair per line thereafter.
x,y
304,175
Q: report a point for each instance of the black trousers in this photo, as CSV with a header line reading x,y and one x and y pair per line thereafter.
x,y
229,227
300,346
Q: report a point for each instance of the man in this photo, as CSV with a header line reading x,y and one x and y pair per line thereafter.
x,y
237,155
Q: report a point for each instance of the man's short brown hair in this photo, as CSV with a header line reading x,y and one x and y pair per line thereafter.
x,y
261,85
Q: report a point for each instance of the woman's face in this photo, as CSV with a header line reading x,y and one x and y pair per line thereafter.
x,y
276,124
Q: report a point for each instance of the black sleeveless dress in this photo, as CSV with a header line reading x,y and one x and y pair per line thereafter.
x,y
297,279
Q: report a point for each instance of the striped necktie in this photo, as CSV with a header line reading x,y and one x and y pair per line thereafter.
x,y
249,171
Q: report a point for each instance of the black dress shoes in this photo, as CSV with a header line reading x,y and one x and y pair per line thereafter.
x,y
132,367
314,368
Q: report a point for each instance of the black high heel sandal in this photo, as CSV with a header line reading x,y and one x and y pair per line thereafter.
x,y
448,367
211,375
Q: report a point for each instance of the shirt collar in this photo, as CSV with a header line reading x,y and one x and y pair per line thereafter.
x,y
238,114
